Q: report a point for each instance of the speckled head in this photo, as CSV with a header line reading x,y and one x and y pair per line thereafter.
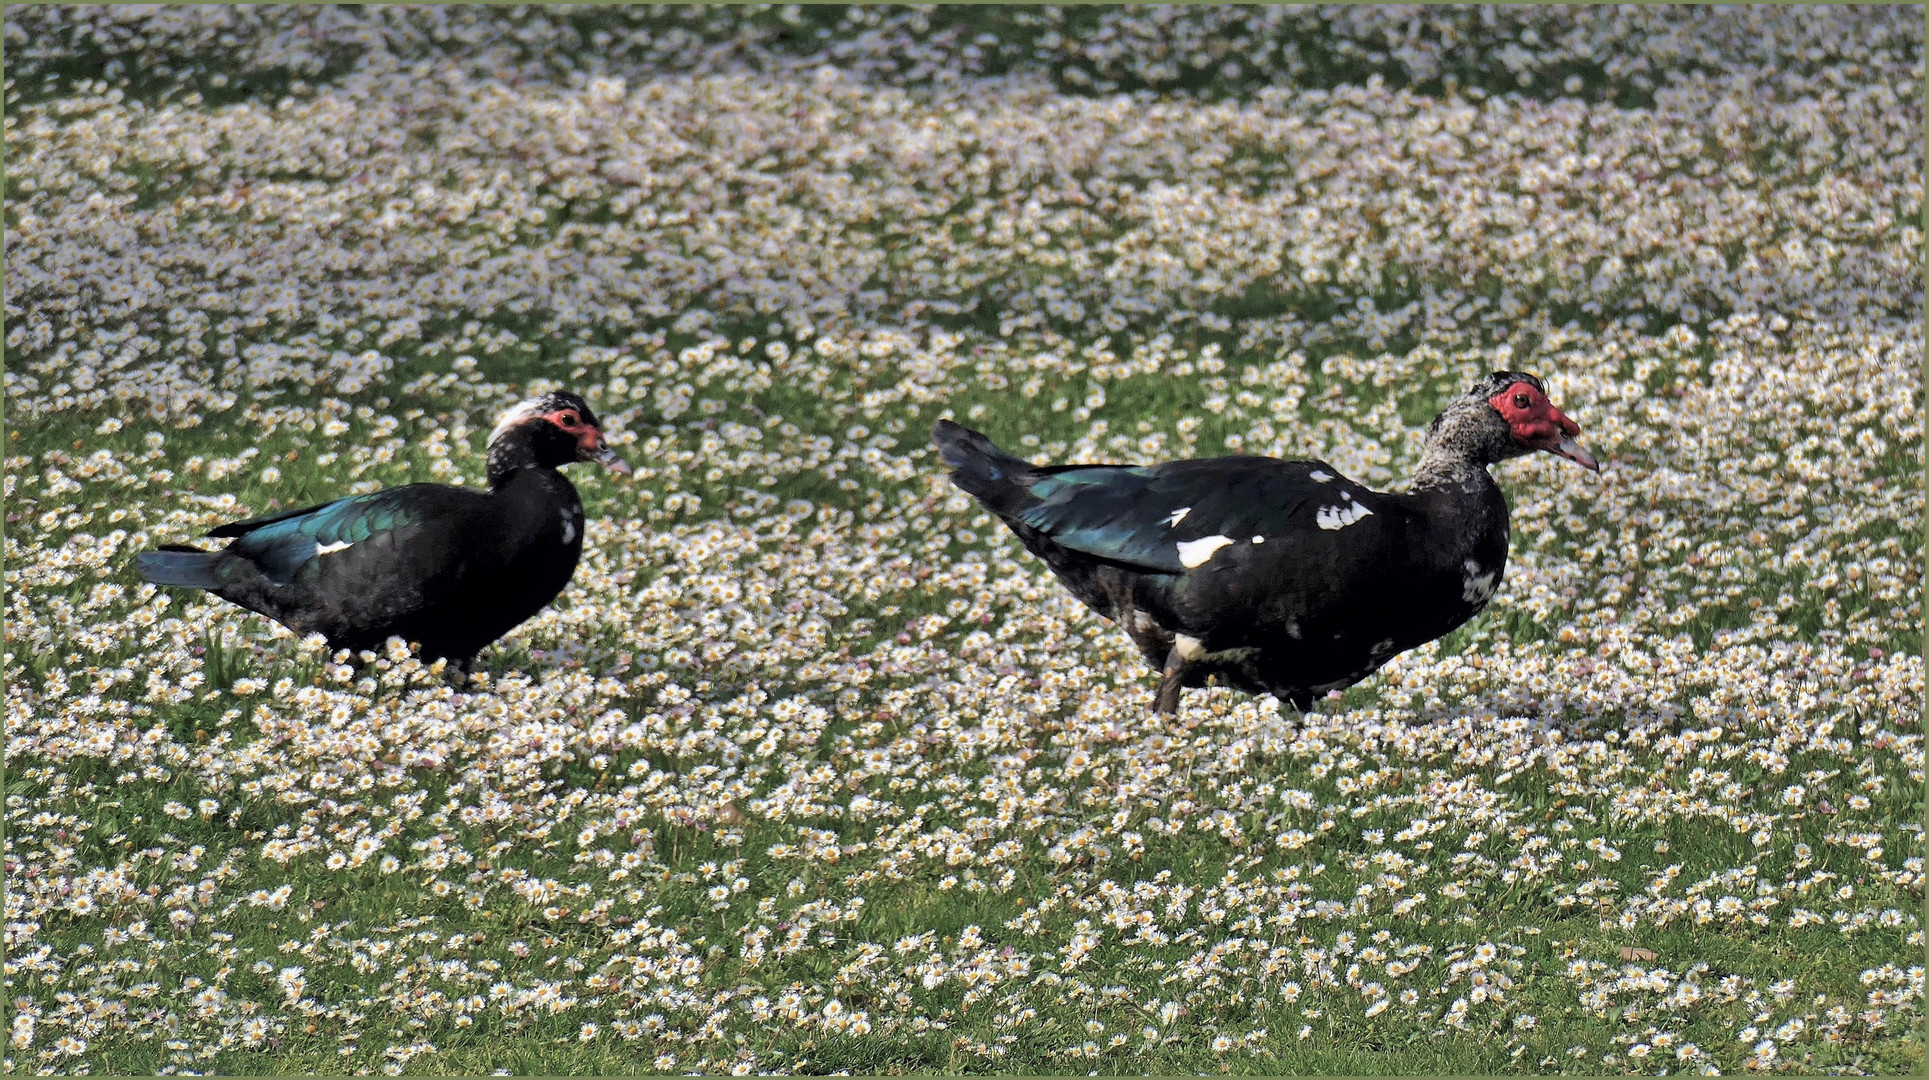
x,y
1532,419
550,431
1503,416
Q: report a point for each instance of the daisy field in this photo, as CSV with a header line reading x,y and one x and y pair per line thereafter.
x,y
812,768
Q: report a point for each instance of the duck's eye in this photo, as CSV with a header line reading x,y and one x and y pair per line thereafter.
x,y
569,421
1521,401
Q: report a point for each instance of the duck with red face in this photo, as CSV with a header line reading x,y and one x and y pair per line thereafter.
x,y
450,567
1536,424
1273,576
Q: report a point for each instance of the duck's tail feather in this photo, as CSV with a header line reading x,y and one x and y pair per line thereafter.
x,y
182,565
980,468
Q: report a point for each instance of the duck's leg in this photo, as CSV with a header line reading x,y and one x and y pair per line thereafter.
x,y
1185,650
1174,681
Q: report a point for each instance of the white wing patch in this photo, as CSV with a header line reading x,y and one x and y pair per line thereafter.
x,y
1259,539
1320,476
330,549
1476,586
1177,516
1339,517
569,526
1197,552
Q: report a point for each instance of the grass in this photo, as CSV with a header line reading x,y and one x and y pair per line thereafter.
x,y
924,780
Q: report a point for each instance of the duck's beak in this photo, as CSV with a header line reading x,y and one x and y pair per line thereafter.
x,y
1560,442
1566,447
602,455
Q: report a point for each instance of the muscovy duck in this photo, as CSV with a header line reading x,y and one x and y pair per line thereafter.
x,y
451,568
1279,577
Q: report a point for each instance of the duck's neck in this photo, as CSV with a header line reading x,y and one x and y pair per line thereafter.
x,y
507,457
1448,469
1465,511
1453,460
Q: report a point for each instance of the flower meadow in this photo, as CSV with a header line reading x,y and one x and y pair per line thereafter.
x,y
811,768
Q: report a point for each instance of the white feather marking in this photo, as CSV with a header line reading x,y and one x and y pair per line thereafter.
x,y
569,526
516,415
1259,539
1476,585
1177,516
330,549
1320,476
1197,552
1339,517
1189,647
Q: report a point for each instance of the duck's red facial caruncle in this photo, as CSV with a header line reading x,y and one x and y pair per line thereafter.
x,y
589,439
1538,424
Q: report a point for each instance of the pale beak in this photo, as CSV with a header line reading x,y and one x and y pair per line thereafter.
x,y
1566,447
1561,442
606,457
